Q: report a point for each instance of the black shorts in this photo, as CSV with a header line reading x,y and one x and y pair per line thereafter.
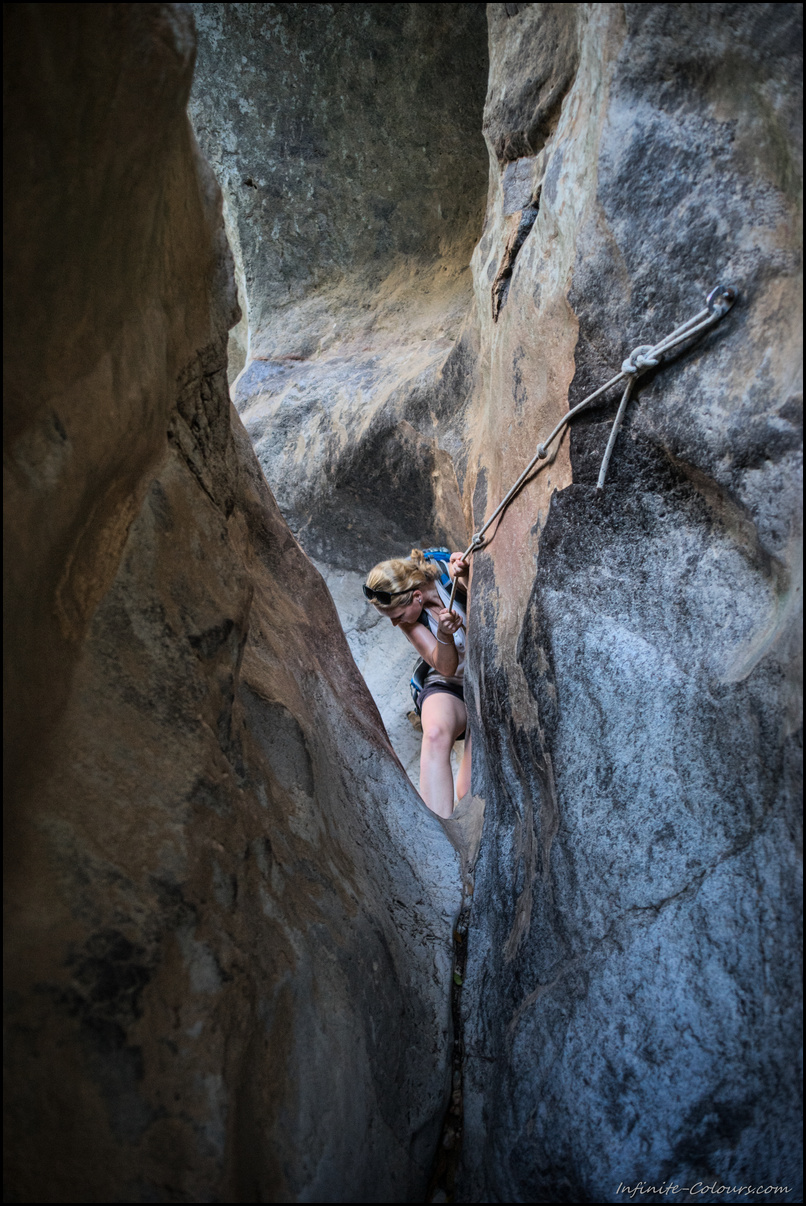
x,y
446,688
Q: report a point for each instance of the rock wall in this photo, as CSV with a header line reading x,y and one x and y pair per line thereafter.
x,y
228,913
631,1001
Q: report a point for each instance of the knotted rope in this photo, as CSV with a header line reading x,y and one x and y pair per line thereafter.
x,y
639,361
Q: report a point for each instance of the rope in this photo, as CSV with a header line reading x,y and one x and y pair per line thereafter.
x,y
639,361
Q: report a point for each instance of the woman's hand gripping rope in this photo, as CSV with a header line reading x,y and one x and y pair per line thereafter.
x,y
459,570
448,622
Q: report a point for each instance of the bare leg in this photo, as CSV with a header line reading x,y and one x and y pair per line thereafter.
x,y
443,716
463,777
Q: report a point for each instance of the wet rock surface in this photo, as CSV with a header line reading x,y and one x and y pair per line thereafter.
x,y
631,1003
228,913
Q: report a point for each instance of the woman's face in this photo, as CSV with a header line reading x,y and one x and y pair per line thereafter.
x,y
404,615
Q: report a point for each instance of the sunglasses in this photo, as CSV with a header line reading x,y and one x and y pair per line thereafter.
x,y
384,597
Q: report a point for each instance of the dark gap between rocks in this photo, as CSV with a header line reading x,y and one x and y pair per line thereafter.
x,y
527,219
442,1184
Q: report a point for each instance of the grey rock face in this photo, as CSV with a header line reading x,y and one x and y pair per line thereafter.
x,y
347,141
631,1007
536,76
228,923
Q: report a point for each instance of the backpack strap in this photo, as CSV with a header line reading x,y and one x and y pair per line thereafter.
x,y
418,681
441,556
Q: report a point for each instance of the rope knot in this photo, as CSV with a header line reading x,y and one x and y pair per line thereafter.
x,y
477,541
542,451
640,359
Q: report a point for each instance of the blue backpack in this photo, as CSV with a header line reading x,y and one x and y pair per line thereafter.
x,y
422,667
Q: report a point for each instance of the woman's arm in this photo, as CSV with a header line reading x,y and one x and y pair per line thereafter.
x,y
440,653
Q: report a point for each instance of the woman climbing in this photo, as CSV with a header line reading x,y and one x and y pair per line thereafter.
x,y
409,591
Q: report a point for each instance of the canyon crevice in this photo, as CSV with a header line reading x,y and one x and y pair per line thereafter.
x,y
294,288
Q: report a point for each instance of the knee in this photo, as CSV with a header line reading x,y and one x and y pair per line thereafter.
x,y
438,736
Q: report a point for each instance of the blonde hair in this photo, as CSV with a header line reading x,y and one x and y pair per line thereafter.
x,y
402,576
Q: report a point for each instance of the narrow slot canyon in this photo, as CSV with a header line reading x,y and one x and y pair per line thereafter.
x,y
295,288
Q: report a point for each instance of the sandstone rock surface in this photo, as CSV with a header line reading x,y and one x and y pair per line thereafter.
x,y
228,913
